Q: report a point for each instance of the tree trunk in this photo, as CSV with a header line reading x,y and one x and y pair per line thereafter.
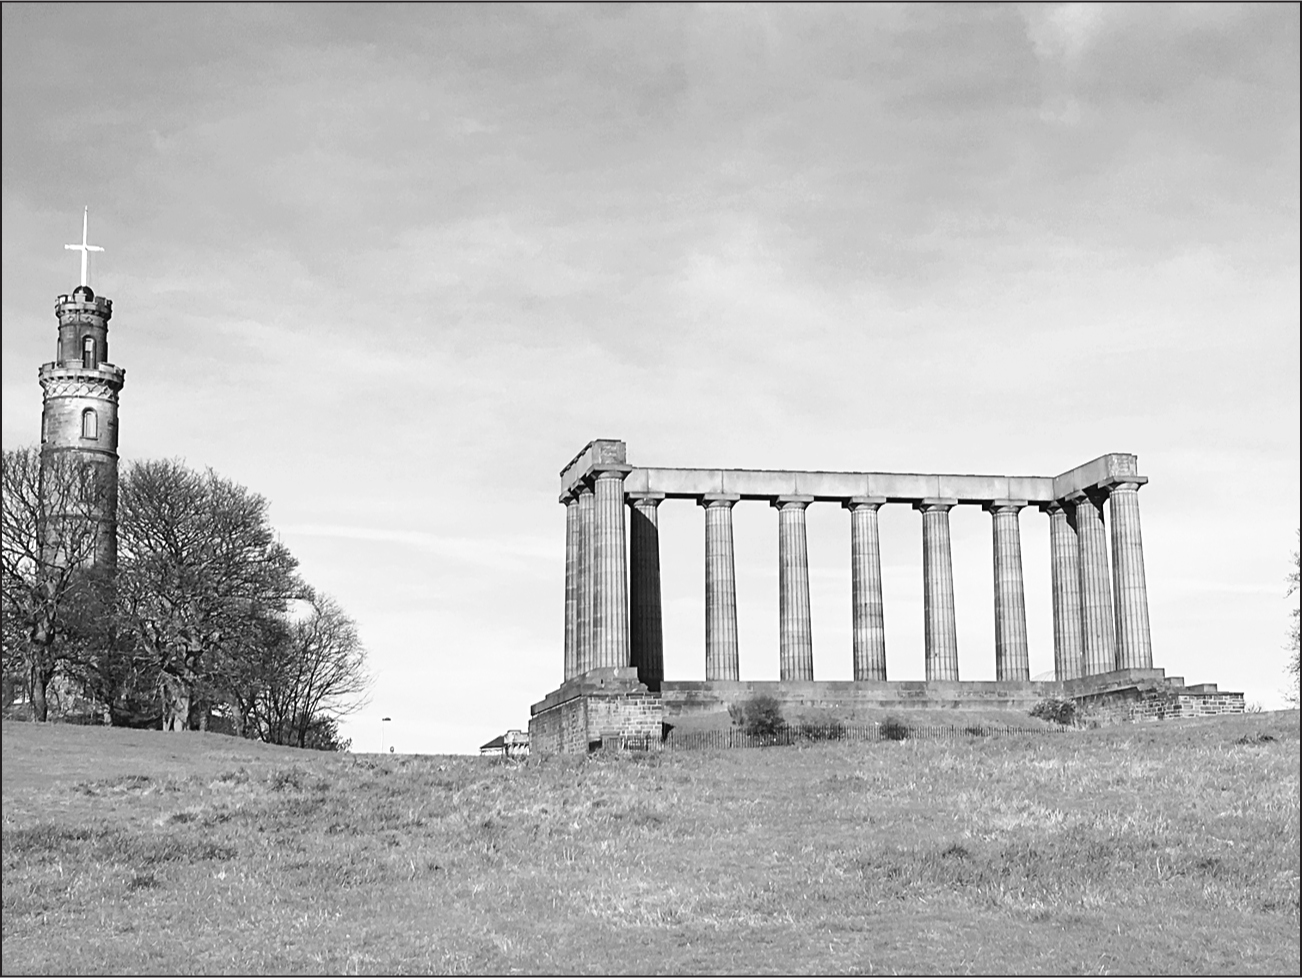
x,y
176,702
39,684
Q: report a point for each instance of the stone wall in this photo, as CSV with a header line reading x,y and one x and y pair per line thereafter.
x,y
1159,703
847,699
602,707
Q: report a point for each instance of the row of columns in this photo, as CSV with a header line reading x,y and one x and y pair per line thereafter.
x,y
1100,615
1093,633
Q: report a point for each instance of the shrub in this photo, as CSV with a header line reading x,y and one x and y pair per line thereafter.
x,y
832,729
1056,710
763,717
894,729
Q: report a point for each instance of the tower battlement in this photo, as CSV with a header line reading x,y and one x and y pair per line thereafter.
x,y
83,302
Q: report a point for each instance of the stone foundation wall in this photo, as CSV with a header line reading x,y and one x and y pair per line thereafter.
x,y
604,707
1159,703
610,707
628,717
847,699
560,730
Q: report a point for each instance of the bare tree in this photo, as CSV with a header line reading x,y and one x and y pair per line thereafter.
x,y
318,673
200,572
55,597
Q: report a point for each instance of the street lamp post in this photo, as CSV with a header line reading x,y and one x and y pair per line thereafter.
x,y
383,721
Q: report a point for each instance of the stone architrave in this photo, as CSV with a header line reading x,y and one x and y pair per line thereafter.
x,y
583,658
722,660
1098,638
867,608
572,544
1064,557
610,581
1134,643
1012,653
795,627
939,624
646,632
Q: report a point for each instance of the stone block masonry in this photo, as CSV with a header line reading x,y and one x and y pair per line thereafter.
x,y
1161,700
604,705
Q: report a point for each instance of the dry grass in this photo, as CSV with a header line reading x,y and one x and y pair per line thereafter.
x,y
1146,849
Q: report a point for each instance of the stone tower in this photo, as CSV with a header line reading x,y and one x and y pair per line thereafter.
x,y
79,422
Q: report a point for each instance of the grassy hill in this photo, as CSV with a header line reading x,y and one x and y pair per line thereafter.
x,y
1140,849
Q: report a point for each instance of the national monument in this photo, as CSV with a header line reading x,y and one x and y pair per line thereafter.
x,y
614,690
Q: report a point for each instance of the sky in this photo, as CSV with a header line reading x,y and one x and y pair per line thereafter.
x,y
393,266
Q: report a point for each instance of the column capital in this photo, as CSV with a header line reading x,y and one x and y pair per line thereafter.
x,y
783,501
718,499
863,502
572,494
644,498
609,471
1004,505
938,505
1093,495
1051,507
1123,483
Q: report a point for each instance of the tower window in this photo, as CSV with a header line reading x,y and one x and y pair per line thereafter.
x,y
89,423
88,352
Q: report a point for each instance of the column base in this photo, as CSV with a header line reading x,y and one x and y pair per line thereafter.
x,y
604,707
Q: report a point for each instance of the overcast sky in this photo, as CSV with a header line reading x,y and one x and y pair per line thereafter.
x,y
391,267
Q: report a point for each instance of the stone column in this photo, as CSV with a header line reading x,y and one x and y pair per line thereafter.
x,y
610,580
1064,557
1134,644
721,656
1098,642
1012,654
583,636
646,634
571,503
867,611
940,628
795,629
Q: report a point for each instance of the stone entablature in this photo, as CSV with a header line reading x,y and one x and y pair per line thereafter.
x,y
895,487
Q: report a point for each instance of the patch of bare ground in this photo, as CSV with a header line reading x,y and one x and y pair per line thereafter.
x,y
1152,848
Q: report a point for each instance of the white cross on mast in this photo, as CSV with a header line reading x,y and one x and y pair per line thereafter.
x,y
84,248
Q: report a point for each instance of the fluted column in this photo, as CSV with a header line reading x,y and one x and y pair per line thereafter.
x,y
571,585
646,635
939,625
1064,558
584,585
867,610
1134,644
1012,654
610,582
795,628
1098,641
721,656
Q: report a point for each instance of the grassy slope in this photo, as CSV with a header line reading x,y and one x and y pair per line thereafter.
x,y
1155,848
